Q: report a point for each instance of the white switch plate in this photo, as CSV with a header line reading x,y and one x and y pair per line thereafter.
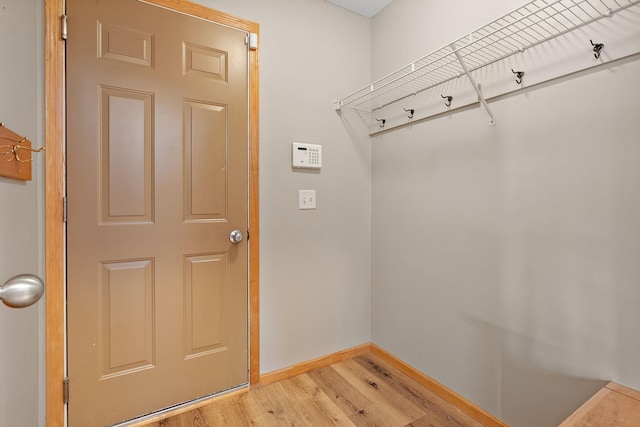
x,y
306,199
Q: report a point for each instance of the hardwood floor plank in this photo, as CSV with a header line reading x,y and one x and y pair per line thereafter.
x,y
339,390
629,392
424,422
360,410
273,404
236,411
191,418
317,408
373,416
607,407
364,391
439,411
400,410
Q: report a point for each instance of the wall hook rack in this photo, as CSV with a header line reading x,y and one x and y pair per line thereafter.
x,y
19,144
15,157
519,76
383,122
410,111
597,47
448,98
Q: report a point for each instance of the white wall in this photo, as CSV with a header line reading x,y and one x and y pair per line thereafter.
x,y
505,258
21,236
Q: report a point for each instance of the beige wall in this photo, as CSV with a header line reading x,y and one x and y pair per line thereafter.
x,y
516,282
21,236
315,265
504,258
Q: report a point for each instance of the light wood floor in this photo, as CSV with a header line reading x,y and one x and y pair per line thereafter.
x,y
363,391
614,405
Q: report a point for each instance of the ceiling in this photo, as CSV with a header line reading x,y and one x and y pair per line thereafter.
x,y
368,8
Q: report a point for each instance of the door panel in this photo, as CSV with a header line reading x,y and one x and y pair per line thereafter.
x,y
126,296
205,161
157,141
126,162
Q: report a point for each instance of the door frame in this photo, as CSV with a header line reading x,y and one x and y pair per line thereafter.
x,y
55,245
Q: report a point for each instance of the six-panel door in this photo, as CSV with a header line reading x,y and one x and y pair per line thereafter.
x,y
157,179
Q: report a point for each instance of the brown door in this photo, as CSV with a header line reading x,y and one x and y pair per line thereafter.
x,y
157,179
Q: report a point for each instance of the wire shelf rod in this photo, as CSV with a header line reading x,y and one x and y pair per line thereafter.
x,y
530,43
398,78
481,65
421,67
447,76
521,20
530,25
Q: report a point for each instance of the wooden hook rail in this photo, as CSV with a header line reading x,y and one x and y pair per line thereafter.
x,y
15,157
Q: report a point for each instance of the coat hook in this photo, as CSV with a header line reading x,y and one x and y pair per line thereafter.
x,y
597,47
448,98
411,111
14,151
519,75
383,122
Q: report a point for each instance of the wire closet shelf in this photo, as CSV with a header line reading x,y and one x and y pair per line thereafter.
x,y
534,23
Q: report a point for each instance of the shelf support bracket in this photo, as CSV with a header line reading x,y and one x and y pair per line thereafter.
x,y
475,85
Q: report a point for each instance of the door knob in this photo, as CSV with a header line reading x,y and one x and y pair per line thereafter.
x,y
21,291
235,236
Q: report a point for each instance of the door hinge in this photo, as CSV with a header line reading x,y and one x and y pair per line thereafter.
x,y
65,390
247,235
63,27
64,209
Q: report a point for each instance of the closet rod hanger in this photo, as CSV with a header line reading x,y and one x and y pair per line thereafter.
x,y
383,122
448,98
410,111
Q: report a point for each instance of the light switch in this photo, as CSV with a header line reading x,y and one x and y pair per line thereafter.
x,y
306,199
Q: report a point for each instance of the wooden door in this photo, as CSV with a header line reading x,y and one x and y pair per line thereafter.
x,y
157,149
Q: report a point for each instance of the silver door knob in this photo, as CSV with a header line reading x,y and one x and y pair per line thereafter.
x,y
235,236
21,291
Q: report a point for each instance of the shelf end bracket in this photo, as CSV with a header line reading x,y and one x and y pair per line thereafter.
x,y
483,101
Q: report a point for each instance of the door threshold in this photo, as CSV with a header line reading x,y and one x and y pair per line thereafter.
x,y
180,408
